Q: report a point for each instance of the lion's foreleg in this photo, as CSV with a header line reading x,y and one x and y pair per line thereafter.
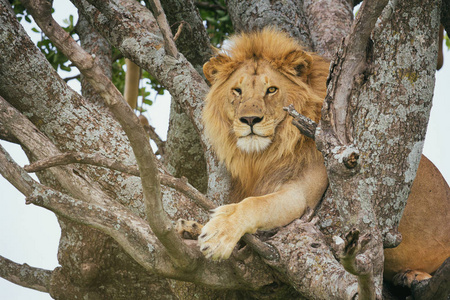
x,y
230,222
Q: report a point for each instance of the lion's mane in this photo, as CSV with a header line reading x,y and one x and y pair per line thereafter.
x,y
263,172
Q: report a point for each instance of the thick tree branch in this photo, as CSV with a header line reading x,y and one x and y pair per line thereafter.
x,y
445,15
24,275
286,15
157,218
302,260
194,40
334,139
348,68
329,22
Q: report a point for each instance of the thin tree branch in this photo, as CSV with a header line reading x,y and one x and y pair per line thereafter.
x,y
157,218
153,135
25,275
179,30
160,16
81,158
179,184
67,79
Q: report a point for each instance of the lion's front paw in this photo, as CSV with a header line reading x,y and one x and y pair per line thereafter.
x,y
221,234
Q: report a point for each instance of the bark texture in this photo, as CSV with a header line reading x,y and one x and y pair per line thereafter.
x,y
110,246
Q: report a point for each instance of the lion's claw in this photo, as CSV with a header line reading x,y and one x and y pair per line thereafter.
x,y
221,234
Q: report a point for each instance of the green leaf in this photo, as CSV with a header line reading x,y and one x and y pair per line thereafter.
x,y
447,41
148,102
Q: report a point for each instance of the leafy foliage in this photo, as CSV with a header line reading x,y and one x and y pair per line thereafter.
x,y
217,21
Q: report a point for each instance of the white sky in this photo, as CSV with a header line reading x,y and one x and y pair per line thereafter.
x,y
30,234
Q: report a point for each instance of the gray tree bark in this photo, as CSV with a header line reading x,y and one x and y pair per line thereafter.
x,y
108,250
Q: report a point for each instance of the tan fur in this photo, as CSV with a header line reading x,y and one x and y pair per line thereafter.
x,y
425,227
278,180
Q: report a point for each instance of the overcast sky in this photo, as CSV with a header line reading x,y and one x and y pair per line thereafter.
x,y
30,234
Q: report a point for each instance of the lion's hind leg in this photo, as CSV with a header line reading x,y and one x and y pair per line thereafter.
x,y
189,230
406,278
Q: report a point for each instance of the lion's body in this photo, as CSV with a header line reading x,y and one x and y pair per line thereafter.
x,y
425,225
276,172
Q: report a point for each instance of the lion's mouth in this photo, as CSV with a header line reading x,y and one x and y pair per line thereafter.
x,y
253,142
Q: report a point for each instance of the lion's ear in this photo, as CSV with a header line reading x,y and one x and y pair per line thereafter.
x,y
298,62
214,66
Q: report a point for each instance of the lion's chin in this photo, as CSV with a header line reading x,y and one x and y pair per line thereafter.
x,y
253,143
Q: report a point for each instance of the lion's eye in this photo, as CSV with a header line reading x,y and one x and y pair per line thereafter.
x,y
271,90
237,91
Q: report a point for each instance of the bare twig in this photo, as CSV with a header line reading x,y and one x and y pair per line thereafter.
x,y
24,275
67,79
153,135
305,125
160,16
180,28
157,218
355,261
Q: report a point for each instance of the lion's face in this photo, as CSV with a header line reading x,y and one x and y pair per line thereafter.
x,y
256,96
244,119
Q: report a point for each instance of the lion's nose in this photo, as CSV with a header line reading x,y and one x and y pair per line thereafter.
x,y
250,121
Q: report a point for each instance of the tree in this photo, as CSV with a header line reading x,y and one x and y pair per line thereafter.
x,y
118,240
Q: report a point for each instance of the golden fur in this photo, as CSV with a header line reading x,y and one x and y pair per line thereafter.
x,y
302,76
278,171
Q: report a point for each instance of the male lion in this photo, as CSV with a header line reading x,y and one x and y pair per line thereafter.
x,y
275,170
